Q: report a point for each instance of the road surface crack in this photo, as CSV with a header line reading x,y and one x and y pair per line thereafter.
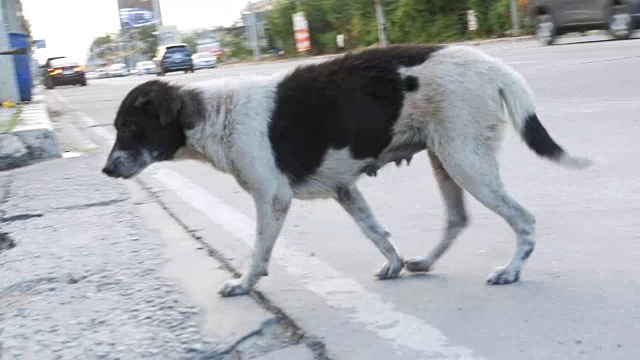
x,y
6,243
19,217
91,205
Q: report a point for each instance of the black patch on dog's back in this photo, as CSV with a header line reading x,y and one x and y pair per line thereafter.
x,y
352,101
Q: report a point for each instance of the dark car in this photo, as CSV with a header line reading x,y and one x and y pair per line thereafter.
x,y
553,18
170,58
62,71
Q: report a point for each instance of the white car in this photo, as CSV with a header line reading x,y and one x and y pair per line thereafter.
x,y
118,70
145,67
204,60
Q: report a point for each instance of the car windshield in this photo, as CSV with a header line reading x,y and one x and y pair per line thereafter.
x,y
177,50
63,62
205,56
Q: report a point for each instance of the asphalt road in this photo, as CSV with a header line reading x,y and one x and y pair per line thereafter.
x,y
578,294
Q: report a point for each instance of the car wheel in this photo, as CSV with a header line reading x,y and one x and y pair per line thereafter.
x,y
49,84
620,22
83,83
546,31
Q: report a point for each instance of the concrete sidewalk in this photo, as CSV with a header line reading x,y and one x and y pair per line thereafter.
x,y
26,134
90,268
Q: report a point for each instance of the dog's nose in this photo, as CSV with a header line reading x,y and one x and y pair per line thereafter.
x,y
109,169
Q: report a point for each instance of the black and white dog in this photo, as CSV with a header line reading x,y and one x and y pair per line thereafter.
x,y
312,132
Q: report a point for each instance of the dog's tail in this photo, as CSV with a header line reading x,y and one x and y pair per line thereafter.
x,y
518,100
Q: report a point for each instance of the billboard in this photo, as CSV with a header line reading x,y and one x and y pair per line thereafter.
x,y
135,14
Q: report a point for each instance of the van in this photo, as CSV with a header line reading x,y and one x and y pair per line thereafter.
x,y
174,57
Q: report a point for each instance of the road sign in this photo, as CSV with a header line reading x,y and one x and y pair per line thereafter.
x,y
301,32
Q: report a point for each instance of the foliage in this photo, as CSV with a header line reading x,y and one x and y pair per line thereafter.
x,y
408,21
149,40
101,41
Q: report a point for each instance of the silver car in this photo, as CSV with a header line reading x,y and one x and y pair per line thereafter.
x,y
553,18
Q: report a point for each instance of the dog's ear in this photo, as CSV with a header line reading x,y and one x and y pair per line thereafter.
x,y
165,100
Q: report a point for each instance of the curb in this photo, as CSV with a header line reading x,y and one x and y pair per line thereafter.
x,y
33,140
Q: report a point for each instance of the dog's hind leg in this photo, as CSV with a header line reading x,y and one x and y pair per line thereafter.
x,y
456,220
271,209
352,200
476,170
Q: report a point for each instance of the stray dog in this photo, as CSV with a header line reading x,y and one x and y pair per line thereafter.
x,y
312,132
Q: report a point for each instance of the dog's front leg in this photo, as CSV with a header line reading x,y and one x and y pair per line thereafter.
x,y
271,211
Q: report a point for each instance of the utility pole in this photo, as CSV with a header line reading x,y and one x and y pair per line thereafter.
x,y
254,33
382,25
514,17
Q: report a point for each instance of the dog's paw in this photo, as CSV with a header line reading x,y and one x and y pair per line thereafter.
x,y
390,270
418,265
503,275
234,287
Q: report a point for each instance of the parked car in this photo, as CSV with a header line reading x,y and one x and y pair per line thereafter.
x,y
61,70
145,67
553,18
117,70
175,57
204,60
101,73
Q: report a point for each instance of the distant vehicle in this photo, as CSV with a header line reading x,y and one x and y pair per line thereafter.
x,y
101,73
174,57
60,70
145,67
135,18
117,70
553,18
204,60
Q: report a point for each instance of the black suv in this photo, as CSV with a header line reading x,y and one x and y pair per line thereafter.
x,y
170,58
62,71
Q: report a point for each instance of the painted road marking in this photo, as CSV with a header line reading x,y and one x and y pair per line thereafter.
x,y
335,288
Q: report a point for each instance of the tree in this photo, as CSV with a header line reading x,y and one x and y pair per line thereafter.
x,y
101,41
148,38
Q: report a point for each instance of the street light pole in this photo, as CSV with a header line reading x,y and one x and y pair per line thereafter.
x,y
382,26
254,33
514,17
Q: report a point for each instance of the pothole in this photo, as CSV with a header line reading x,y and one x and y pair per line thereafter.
x,y
6,243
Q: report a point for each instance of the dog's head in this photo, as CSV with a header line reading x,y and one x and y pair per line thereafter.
x,y
150,125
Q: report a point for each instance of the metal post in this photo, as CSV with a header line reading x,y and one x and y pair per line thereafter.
x,y
254,33
382,26
514,18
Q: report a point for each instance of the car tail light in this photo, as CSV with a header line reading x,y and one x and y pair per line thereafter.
x,y
78,68
55,71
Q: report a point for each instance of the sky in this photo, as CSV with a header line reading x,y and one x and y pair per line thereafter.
x,y
70,35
